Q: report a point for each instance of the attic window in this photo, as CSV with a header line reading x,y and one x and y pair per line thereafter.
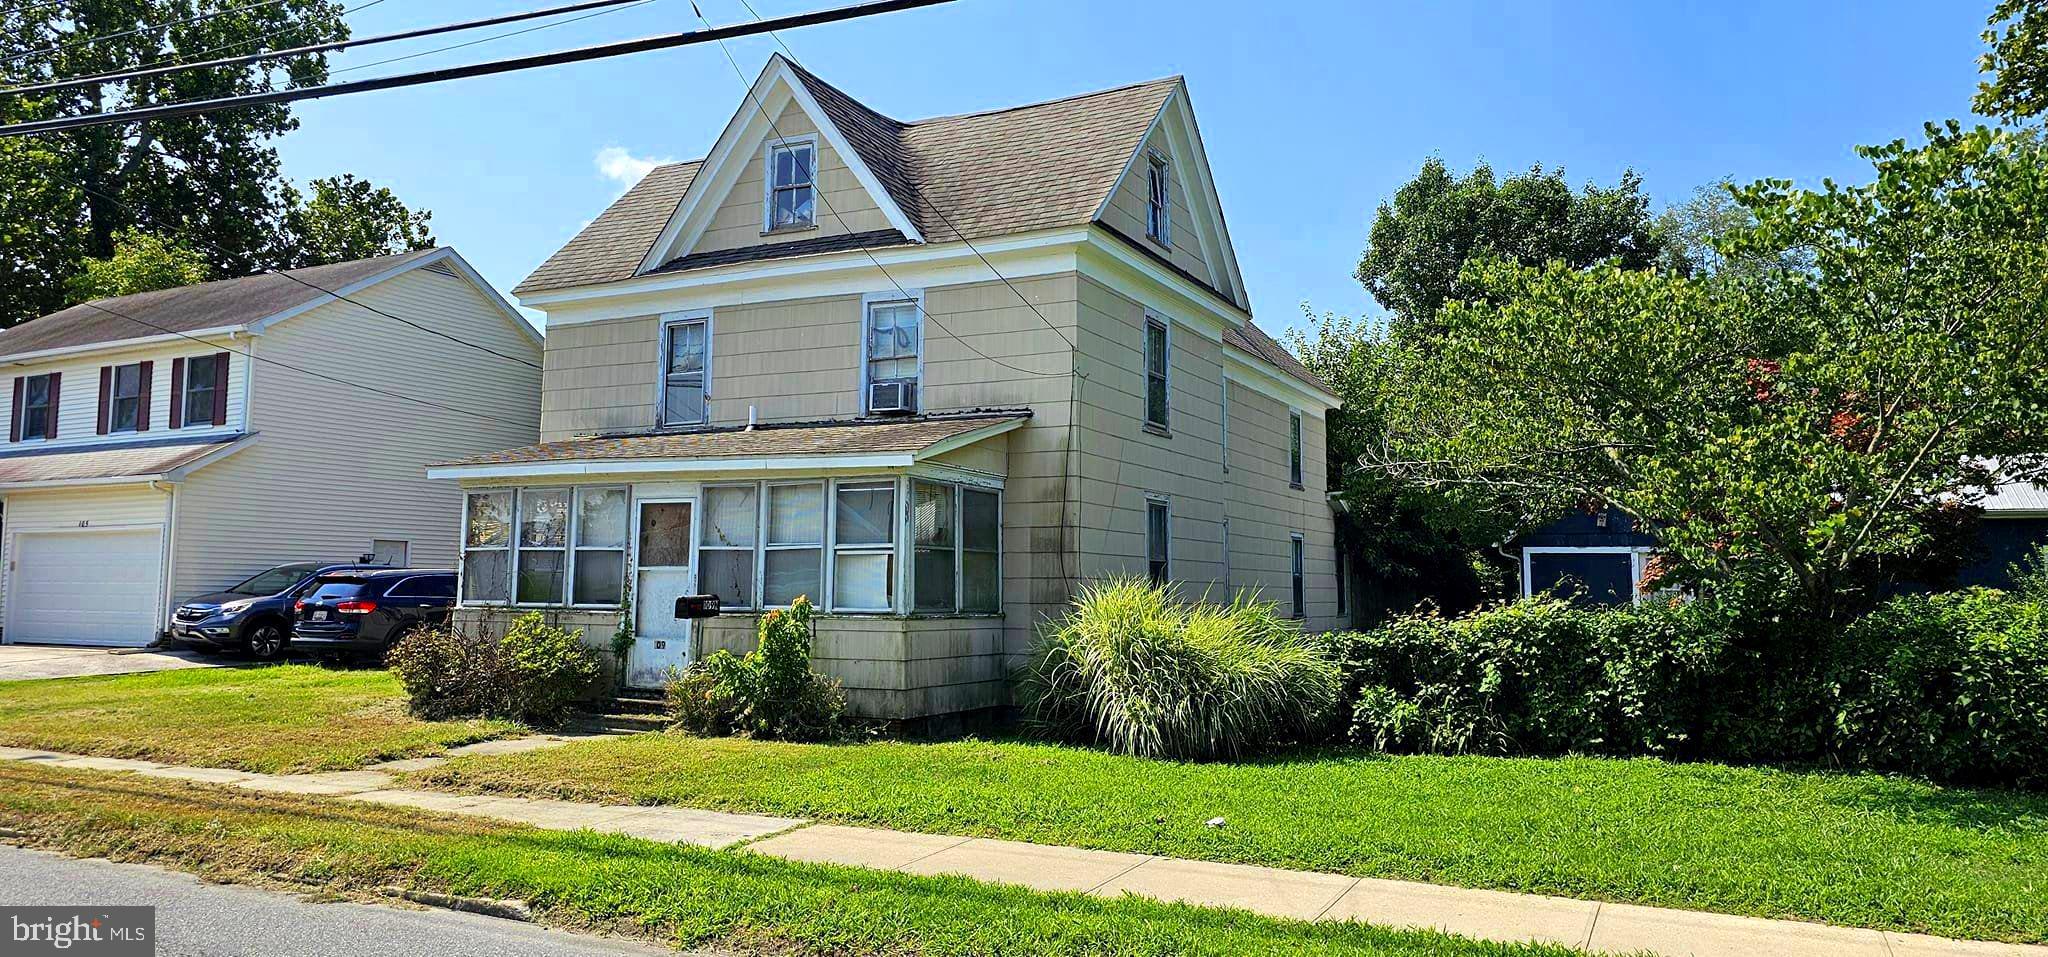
x,y
792,200
1158,200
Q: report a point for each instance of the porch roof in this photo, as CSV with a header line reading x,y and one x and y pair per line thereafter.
x,y
886,443
164,460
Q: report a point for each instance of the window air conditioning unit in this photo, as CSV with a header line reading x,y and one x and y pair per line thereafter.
x,y
892,397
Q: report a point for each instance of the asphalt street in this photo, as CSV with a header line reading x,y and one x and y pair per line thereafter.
x,y
195,919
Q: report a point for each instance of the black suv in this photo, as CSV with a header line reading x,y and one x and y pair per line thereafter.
x,y
254,616
369,610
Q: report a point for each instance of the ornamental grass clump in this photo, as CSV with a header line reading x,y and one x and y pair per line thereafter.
x,y
1133,669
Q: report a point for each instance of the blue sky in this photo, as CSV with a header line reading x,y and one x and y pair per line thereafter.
x,y
1313,113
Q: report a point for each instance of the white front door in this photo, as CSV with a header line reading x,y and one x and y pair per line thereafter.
x,y
88,587
663,554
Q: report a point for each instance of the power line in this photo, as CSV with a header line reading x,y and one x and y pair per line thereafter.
x,y
88,41
415,325
253,357
818,195
630,4
601,51
171,64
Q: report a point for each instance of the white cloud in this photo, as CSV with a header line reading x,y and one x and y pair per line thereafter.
x,y
616,164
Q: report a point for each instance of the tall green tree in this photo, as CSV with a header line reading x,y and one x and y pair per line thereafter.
x,y
140,263
1438,221
2016,64
348,218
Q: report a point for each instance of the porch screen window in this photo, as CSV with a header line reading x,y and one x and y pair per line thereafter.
x,y
793,557
1158,200
725,555
791,186
892,357
864,547
1158,525
981,537
600,559
936,543
1299,589
1294,449
201,385
956,540
543,539
486,546
1156,358
683,389
37,400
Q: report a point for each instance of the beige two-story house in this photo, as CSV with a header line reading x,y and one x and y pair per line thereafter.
x,y
932,374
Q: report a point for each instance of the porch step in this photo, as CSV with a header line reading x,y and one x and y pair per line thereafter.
x,y
632,703
618,723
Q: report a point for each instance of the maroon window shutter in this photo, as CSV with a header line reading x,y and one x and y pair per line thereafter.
x,y
56,387
220,388
106,395
14,422
142,404
177,393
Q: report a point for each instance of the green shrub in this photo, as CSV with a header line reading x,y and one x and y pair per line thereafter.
x,y
534,674
771,693
1131,668
1951,686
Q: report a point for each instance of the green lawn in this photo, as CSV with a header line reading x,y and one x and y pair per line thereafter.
x,y
1864,850
689,895
284,718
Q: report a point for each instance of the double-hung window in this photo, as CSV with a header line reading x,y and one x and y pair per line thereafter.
x,y
1299,590
793,554
1294,449
725,549
599,563
542,542
1156,364
981,547
201,387
685,382
956,543
1158,539
39,406
1158,200
936,540
792,186
128,392
487,547
864,546
892,343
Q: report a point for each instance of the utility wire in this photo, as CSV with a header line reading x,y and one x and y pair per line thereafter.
x,y
253,357
88,41
818,194
456,339
556,58
630,4
170,64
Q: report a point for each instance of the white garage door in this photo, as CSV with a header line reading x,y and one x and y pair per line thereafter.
x,y
85,587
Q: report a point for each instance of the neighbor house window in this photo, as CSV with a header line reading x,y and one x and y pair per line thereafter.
x,y
541,556
125,398
1158,532
685,386
725,563
599,563
892,343
793,555
38,407
1300,591
792,186
864,546
1156,360
486,546
1294,449
1158,200
201,389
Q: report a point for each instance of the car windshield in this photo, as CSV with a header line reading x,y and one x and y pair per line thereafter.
x,y
275,580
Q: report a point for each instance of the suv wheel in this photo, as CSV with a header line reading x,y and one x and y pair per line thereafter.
x,y
265,641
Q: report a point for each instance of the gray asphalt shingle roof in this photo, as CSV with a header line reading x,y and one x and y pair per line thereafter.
x,y
807,439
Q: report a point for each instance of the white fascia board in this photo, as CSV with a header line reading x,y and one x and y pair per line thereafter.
x,y
1260,376
966,439
178,474
1215,220
1137,153
83,483
116,345
581,467
1136,275
490,292
847,154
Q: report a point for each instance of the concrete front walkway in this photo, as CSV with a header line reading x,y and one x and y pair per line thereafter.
x,y
21,662
1299,895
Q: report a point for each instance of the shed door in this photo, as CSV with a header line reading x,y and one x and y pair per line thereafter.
x,y
1592,578
85,587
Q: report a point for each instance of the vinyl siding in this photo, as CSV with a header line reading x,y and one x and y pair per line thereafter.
x,y
742,215
128,506
78,399
334,467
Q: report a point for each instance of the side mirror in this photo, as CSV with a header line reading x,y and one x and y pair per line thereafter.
x,y
697,606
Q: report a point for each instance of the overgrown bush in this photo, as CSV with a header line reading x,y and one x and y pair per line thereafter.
x,y
1133,669
534,674
770,693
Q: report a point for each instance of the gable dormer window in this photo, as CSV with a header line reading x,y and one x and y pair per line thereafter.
x,y
1159,200
792,186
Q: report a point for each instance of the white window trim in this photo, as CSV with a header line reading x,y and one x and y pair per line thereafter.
x,y
867,303
1159,198
49,409
1166,374
1297,575
1297,453
462,553
185,420
668,322
142,390
824,598
753,551
1639,557
771,146
894,549
960,550
519,548
1166,573
627,552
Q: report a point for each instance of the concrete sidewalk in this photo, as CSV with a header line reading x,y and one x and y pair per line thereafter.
x,y
1298,895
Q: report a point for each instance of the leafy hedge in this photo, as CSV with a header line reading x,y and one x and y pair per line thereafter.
x,y
534,674
771,693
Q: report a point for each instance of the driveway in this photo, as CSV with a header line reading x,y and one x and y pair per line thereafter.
x,y
55,661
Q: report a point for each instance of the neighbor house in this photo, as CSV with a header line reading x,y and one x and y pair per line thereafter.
x,y
932,374
174,442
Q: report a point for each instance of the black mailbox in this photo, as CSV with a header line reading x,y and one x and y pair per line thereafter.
x,y
697,606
